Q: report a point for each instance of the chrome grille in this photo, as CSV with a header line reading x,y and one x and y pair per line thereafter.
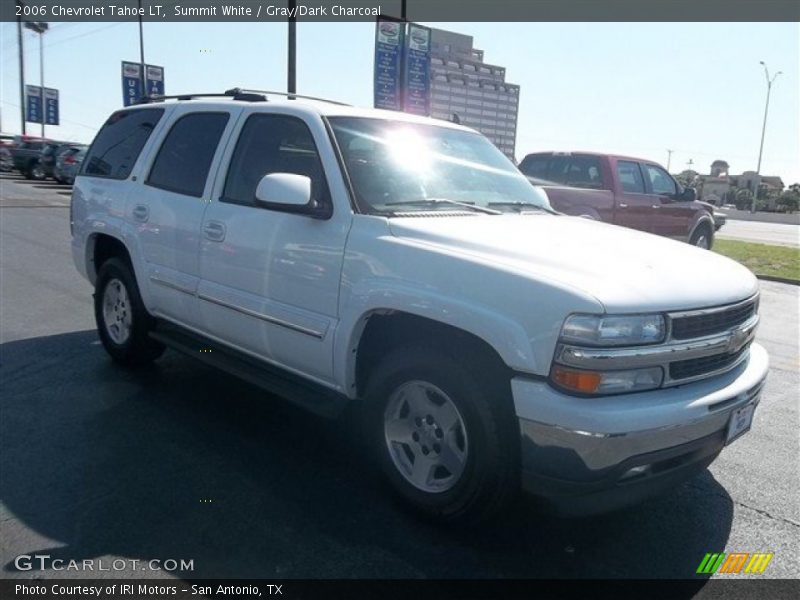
x,y
686,369
710,321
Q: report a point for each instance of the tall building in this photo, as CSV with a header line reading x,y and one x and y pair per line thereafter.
x,y
463,85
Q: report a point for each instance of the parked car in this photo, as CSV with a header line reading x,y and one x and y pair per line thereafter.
x,y
719,218
50,155
6,162
356,257
631,192
25,155
67,164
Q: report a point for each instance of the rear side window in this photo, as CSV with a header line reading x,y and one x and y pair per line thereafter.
x,y
572,170
630,177
185,156
117,146
535,166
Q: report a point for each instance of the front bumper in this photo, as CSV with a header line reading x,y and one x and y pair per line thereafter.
x,y
589,455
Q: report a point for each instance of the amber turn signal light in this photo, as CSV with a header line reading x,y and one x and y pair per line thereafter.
x,y
586,382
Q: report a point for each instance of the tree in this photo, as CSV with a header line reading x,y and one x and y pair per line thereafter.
x,y
687,178
789,201
744,199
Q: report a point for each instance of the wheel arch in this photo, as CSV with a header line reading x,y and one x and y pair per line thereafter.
x,y
99,248
704,221
381,330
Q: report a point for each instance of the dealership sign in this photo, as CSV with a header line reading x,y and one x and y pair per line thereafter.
x,y
402,79
51,108
389,38
33,103
132,82
417,84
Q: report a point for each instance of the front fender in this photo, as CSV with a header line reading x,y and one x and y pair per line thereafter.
x,y
507,337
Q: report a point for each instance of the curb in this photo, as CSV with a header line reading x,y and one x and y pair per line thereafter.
x,y
779,279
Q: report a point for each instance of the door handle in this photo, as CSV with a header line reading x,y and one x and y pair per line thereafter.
x,y
623,205
214,231
141,213
656,206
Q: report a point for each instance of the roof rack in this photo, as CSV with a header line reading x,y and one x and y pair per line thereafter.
x,y
290,95
240,94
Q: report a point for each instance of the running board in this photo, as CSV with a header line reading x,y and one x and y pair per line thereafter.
x,y
311,396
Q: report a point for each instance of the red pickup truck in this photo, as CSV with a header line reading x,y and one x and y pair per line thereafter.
x,y
631,192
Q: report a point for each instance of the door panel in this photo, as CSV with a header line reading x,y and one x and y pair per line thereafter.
x,y
168,209
635,208
673,216
271,285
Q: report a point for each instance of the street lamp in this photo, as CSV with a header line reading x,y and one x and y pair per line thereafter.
x,y
763,131
39,27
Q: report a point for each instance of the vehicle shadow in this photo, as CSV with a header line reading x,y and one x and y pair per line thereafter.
x,y
181,461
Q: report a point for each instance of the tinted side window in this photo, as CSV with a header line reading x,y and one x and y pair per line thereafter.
x,y
273,144
117,146
535,166
630,177
660,181
185,156
584,172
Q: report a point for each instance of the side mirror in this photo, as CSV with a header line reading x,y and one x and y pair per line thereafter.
x,y
289,192
284,189
687,195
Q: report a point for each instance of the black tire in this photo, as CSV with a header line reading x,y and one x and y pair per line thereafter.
x,y
138,348
702,237
490,477
37,171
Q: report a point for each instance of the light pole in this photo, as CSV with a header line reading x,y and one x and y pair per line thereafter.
x,y
291,54
40,27
141,54
763,131
21,74
669,158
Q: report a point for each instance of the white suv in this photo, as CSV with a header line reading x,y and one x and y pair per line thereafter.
x,y
333,254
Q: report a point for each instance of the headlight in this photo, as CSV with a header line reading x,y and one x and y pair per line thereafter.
x,y
611,330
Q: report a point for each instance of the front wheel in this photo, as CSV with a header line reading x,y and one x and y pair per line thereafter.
x,y
442,435
122,321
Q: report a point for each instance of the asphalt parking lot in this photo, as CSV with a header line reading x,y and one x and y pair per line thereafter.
x,y
180,461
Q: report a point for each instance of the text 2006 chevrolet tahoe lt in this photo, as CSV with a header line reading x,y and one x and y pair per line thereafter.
x,y
336,255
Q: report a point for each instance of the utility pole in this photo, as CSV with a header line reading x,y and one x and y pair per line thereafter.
x,y
669,158
763,132
21,74
41,72
291,66
141,54
403,9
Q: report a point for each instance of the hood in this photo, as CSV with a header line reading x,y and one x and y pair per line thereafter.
x,y
624,269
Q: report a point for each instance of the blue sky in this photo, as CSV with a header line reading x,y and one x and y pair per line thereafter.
x,y
630,88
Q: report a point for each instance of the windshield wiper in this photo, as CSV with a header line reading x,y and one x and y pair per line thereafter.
x,y
523,206
434,201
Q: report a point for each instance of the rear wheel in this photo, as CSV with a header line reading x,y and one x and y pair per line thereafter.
x,y
442,435
122,320
702,237
37,171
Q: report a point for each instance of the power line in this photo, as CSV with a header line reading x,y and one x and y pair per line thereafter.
x,y
74,37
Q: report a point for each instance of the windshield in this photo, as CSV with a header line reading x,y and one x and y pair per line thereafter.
x,y
398,167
